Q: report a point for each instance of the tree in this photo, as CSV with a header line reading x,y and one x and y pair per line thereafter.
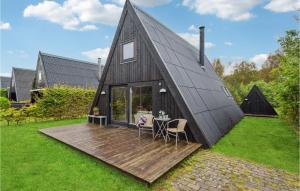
x,y
265,73
219,68
286,84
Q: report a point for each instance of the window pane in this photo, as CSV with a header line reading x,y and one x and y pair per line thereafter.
x,y
141,102
119,104
128,50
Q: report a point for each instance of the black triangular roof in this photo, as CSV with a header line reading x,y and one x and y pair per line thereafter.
x,y
68,71
209,111
4,82
257,104
23,79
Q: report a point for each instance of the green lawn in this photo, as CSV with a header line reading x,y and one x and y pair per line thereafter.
x,y
32,161
269,141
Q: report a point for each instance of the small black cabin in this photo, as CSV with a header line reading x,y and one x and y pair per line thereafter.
x,y
256,103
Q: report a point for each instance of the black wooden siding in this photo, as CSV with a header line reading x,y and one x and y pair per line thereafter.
x,y
141,69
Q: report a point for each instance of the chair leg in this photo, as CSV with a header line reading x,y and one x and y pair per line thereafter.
x,y
139,132
176,139
153,132
186,137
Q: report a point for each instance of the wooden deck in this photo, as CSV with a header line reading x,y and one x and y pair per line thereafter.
x,y
142,157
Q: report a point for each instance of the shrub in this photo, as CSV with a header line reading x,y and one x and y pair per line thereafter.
x,y
4,103
3,92
8,115
65,102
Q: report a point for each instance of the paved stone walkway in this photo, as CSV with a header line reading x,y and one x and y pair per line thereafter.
x,y
212,171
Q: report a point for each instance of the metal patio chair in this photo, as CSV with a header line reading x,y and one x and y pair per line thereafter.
x,y
179,129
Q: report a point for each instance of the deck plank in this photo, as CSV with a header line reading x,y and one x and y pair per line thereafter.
x,y
144,158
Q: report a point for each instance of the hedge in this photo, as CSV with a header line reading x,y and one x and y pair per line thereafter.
x,y
65,102
55,103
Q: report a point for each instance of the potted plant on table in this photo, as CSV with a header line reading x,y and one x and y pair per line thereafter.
x,y
96,111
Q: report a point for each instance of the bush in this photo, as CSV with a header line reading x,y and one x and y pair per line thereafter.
x,y
8,115
65,102
4,103
3,92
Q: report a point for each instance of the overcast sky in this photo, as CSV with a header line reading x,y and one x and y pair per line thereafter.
x,y
84,29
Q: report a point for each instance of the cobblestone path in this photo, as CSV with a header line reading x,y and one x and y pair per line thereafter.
x,y
212,171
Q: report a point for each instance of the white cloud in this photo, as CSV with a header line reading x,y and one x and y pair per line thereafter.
x,y
234,10
88,28
283,5
193,39
193,29
75,14
5,74
259,59
145,3
94,54
228,43
4,25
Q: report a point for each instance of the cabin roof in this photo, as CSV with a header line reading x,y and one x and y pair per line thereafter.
x,y
4,81
257,104
68,71
23,82
201,90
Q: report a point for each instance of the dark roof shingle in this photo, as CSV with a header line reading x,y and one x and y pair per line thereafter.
x,y
23,81
60,70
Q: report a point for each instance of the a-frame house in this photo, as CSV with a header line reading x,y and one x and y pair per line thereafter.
x,y
150,68
256,103
21,84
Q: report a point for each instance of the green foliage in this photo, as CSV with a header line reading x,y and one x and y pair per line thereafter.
x,y
3,92
219,68
28,158
8,115
269,141
65,102
286,84
4,103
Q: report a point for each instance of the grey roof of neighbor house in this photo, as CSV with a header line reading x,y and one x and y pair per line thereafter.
x,y
4,81
214,112
23,82
68,71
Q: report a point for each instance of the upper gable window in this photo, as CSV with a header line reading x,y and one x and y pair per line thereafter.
x,y
40,76
128,51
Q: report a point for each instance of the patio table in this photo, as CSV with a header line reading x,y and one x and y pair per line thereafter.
x,y
162,124
100,117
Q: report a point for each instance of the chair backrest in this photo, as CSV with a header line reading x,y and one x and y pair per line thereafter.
x,y
181,124
149,121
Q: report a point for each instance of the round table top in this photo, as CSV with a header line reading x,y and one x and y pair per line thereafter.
x,y
162,119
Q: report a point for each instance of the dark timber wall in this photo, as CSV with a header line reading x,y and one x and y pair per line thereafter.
x,y
142,70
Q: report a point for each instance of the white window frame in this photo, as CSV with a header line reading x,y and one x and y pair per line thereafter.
x,y
130,54
39,76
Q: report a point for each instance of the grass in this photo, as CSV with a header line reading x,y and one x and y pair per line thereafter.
x,y
268,141
32,161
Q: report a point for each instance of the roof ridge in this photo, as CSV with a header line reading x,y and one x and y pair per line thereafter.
x,y
32,70
67,58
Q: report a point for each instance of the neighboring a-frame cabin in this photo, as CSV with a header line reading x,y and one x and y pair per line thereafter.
x,y
21,84
57,70
150,68
257,104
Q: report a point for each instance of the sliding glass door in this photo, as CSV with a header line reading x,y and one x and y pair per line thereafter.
x,y
119,104
128,103
141,102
